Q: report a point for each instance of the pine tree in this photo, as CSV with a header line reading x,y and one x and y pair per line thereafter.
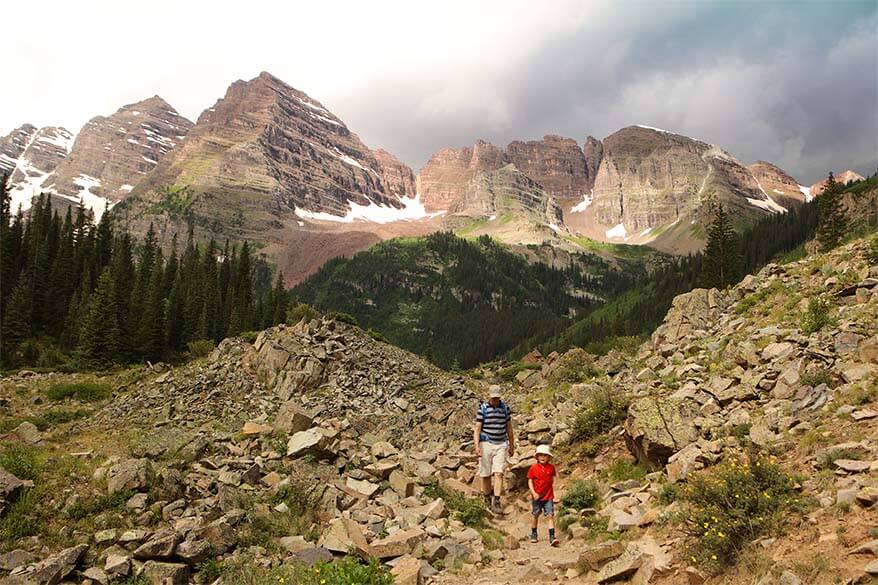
x,y
831,226
99,335
16,325
722,256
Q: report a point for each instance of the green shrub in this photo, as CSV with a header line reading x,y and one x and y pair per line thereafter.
x,y
20,460
347,571
20,519
249,336
828,458
733,503
344,318
601,412
574,366
492,539
87,507
302,311
872,251
668,493
581,494
470,511
816,316
201,347
59,416
624,469
376,335
508,373
817,377
81,391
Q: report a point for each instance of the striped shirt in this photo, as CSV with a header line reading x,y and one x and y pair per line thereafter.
x,y
494,420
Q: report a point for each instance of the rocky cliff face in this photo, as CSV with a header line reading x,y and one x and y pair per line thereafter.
x,y
650,180
12,146
555,163
398,178
778,184
264,156
30,156
594,152
112,154
843,178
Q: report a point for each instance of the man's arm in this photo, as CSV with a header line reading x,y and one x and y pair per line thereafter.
x,y
476,433
510,437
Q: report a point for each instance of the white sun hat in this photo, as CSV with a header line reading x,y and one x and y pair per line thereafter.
x,y
544,450
495,391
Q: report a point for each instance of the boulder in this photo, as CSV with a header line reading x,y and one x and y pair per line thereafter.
x,y
343,535
51,570
28,433
292,418
158,573
407,571
595,556
655,430
160,546
402,484
10,488
624,566
398,544
315,441
132,474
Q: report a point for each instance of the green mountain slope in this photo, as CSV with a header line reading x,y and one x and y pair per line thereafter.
x,y
459,301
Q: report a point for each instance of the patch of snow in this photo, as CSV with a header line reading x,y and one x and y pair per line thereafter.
x,y
412,209
617,232
60,139
127,188
582,205
493,217
136,113
554,228
325,119
806,191
149,160
770,205
314,107
133,141
301,223
90,200
778,192
645,232
654,128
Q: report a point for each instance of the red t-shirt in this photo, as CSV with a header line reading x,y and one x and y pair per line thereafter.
x,y
542,474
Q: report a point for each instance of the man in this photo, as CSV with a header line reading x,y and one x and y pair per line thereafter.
x,y
494,439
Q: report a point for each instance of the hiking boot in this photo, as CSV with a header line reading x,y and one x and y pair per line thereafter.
x,y
495,505
487,501
533,537
555,542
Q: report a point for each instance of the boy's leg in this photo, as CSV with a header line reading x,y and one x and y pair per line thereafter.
x,y
550,518
535,519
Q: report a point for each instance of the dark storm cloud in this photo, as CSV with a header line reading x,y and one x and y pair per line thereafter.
x,y
795,83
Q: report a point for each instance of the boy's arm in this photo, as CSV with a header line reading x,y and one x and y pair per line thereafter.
x,y
533,492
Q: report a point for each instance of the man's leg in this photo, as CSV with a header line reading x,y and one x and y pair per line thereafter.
x,y
485,472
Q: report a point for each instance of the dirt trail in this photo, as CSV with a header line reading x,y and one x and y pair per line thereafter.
x,y
529,562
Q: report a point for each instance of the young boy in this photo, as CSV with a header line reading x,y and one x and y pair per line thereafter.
x,y
539,480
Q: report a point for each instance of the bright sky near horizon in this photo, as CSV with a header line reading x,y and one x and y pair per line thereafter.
x,y
792,82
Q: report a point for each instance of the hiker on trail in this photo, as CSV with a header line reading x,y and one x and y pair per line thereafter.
x,y
494,439
540,478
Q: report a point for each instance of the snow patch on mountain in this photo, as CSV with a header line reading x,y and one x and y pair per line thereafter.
x,y
582,205
806,191
617,232
412,209
768,205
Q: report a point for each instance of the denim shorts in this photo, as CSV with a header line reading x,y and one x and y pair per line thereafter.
x,y
547,507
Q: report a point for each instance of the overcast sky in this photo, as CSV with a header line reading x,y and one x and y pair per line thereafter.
x,y
792,82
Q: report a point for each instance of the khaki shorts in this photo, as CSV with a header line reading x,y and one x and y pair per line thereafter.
x,y
493,458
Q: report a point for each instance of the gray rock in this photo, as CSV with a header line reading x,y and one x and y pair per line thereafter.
x,y
159,573
131,474
50,571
